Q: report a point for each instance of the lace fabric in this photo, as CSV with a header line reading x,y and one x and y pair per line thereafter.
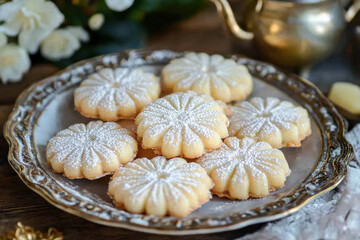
x,y
334,215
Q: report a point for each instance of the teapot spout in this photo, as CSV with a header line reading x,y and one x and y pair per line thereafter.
x,y
227,14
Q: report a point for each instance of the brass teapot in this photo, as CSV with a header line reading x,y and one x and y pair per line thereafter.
x,y
294,33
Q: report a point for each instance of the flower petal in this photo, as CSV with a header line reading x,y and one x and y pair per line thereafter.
x,y
119,5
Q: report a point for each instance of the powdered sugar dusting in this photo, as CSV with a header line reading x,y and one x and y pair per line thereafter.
x,y
181,117
159,181
114,89
207,74
259,117
242,161
90,146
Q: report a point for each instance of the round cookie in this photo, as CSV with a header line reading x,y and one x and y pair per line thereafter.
x,y
243,168
160,187
279,123
90,151
113,94
182,124
223,79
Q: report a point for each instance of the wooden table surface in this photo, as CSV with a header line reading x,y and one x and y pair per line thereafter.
x,y
204,32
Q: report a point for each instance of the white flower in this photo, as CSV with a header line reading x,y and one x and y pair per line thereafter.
x,y
14,62
119,5
96,21
79,33
3,39
33,20
62,43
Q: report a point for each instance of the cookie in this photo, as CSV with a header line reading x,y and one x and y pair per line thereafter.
x,y
160,187
182,124
279,123
243,168
90,151
113,94
223,79
346,95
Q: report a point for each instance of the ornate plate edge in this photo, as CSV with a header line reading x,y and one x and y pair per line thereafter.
x,y
305,92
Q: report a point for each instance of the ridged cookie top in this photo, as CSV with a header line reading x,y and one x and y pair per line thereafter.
x,y
160,187
244,168
182,124
279,123
223,79
113,94
91,150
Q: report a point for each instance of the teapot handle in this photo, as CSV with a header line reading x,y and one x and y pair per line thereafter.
x,y
352,11
227,14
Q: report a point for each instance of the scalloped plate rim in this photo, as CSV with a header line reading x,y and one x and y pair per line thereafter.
x,y
137,227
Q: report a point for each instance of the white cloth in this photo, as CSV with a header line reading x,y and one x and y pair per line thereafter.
x,y
334,215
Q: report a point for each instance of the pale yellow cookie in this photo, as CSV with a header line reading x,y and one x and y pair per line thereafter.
x,y
160,187
223,79
346,95
279,123
243,168
182,124
113,94
90,151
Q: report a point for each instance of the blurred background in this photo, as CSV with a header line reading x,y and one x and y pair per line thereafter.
x,y
102,27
